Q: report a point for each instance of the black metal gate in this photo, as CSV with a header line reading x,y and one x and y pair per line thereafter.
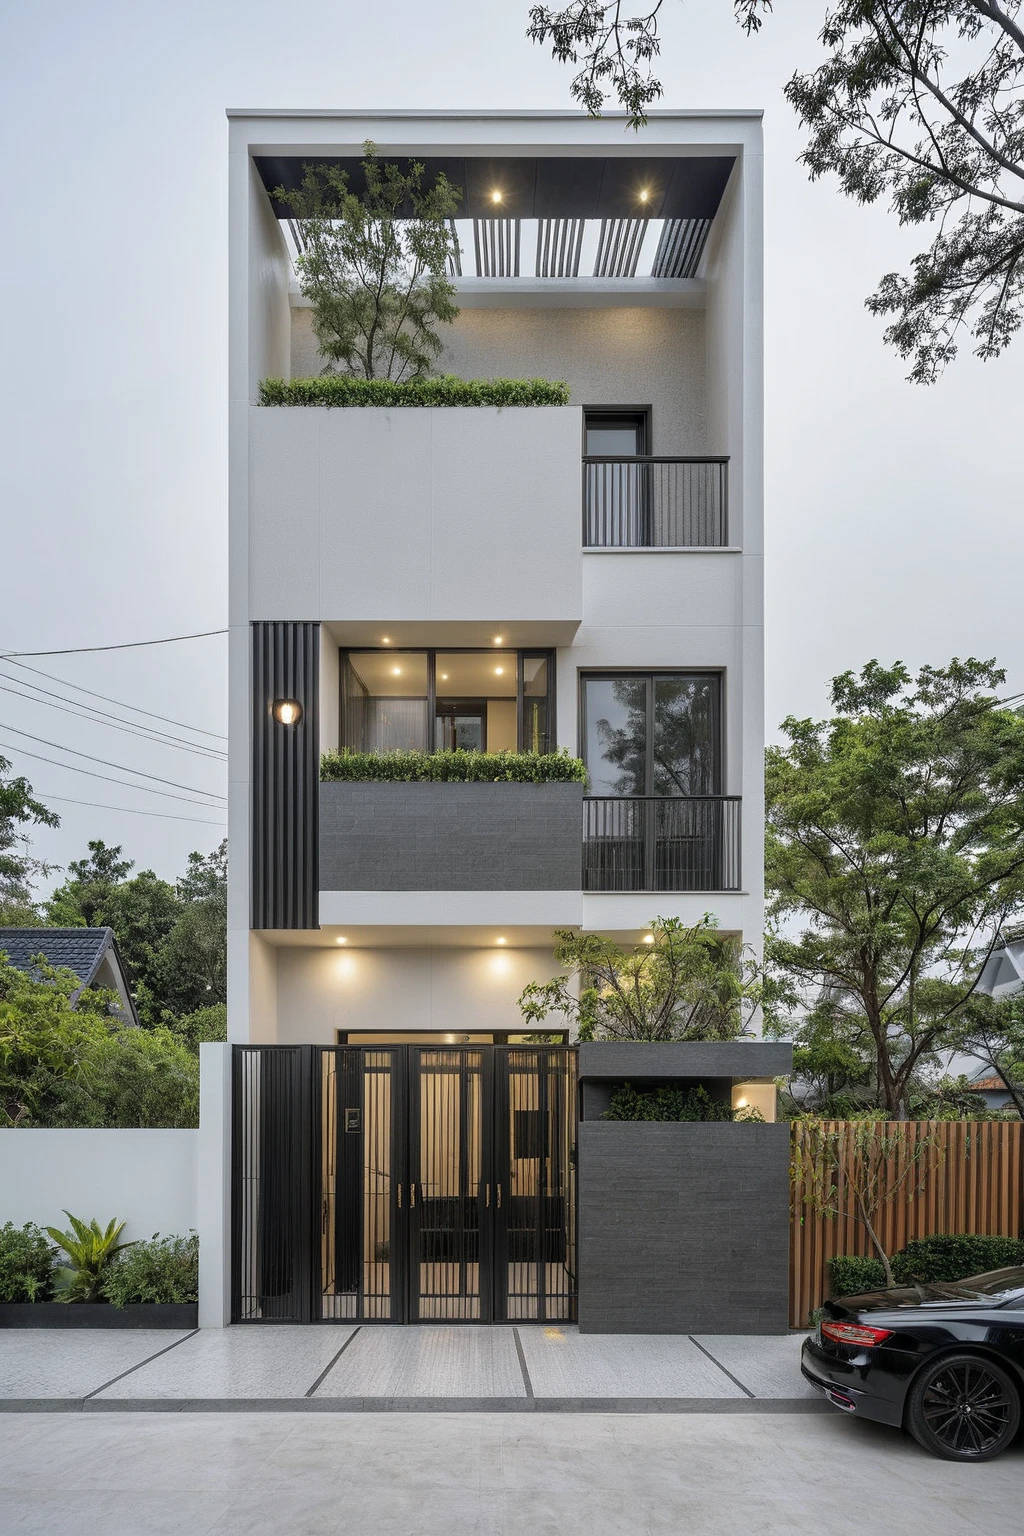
x,y
404,1183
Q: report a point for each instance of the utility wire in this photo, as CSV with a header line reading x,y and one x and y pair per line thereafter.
x,y
159,739
127,809
91,774
135,709
211,794
127,645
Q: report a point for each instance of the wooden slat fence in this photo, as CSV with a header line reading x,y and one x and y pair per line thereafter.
x,y
974,1184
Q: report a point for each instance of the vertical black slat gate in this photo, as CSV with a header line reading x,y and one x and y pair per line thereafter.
x,y
404,1183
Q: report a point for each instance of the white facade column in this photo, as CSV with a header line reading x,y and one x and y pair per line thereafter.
x,y
214,1185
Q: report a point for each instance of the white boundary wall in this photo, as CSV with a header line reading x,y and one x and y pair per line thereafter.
x,y
148,1179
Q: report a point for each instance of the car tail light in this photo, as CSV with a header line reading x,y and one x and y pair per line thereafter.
x,y
855,1333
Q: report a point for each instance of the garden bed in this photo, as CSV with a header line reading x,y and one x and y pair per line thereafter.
x,y
98,1314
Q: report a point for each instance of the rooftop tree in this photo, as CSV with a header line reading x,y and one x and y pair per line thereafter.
x,y
919,101
895,851
375,265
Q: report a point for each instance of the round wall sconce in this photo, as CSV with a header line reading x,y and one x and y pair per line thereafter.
x,y
287,711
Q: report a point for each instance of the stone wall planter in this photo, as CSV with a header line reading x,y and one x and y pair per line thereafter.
x,y
100,1314
450,837
683,1227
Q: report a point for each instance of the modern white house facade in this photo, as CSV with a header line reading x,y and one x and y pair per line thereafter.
x,y
584,577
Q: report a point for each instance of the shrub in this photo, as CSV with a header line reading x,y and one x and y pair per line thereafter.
x,y
954,1256
90,1249
162,1270
666,1103
458,767
26,1263
853,1274
335,389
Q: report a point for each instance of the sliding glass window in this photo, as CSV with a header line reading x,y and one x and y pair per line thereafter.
x,y
653,733
432,701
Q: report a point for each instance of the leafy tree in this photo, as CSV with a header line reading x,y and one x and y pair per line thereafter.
x,y
919,100
18,809
45,1043
686,984
375,265
147,1078
858,1170
894,835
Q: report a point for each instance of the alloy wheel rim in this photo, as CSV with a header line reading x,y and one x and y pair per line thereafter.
x,y
967,1409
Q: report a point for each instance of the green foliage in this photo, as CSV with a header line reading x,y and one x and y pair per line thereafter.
x,y
688,983
954,1257
994,1033
18,808
90,1249
342,390
854,1275
375,266
206,1025
66,1067
915,102
456,767
665,1103
895,837
172,938
164,1270
134,1078
26,1264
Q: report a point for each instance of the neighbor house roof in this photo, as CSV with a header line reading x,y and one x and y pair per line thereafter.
x,y
989,1085
85,951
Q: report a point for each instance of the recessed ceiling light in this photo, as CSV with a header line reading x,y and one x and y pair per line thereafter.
x,y
385,639
444,677
496,196
499,670
497,639
648,938
341,941
396,671
501,941
644,195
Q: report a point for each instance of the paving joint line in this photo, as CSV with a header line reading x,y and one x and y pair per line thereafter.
x,y
332,1363
734,1379
527,1383
166,1350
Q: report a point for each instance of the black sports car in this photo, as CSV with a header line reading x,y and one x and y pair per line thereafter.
x,y
945,1361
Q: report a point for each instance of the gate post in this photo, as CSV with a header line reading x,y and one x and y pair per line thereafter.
x,y
213,1174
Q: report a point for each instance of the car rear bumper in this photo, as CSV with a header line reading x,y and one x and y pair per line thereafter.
x,y
843,1385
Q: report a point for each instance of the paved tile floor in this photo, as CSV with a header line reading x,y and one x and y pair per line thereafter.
x,y
337,1366
487,1474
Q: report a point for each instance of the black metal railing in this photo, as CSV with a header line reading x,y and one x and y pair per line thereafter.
x,y
661,843
647,503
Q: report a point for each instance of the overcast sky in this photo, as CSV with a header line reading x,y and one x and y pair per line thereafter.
x,y
894,513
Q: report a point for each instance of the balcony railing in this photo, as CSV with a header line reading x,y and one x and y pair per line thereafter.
x,y
645,503
661,843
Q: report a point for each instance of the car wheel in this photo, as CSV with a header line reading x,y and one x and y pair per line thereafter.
x,y
963,1408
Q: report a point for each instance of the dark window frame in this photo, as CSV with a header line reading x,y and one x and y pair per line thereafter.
x,y
642,413
650,675
521,653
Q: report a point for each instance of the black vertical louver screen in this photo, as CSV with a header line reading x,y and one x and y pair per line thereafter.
x,y
285,776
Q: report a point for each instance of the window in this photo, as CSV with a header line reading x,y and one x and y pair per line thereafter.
x,y
653,733
433,701
617,434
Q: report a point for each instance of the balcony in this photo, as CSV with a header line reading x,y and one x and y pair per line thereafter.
x,y
655,503
661,843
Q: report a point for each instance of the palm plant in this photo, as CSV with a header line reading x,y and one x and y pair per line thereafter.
x,y
89,1249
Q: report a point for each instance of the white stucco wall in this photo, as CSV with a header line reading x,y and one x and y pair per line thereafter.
x,y
145,1178
607,356
320,991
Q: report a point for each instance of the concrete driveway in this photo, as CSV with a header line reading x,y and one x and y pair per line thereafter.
x,y
490,1474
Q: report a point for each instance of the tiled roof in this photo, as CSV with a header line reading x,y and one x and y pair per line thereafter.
x,y
74,949
989,1085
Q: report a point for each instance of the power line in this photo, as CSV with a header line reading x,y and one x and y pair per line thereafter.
x,y
159,739
135,708
91,774
128,811
211,794
127,645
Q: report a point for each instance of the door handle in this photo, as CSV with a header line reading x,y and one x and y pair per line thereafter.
x,y
498,1189
412,1196
399,1197
487,1197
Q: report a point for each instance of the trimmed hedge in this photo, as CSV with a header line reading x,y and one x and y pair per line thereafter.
x,y
458,767
340,389
942,1258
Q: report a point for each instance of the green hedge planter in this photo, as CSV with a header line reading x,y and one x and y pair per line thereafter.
x,y
340,390
457,767
98,1314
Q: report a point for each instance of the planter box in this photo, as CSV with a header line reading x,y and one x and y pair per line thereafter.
x,y
683,1228
450,837
98,1314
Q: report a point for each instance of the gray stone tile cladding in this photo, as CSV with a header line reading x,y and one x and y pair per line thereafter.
x,y
450,837
683,1228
